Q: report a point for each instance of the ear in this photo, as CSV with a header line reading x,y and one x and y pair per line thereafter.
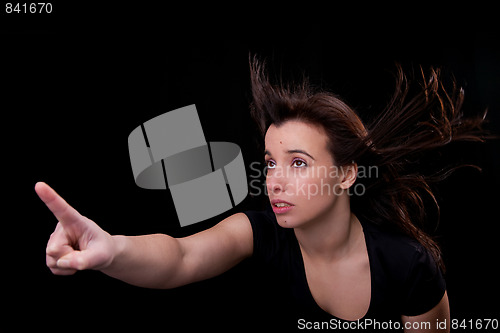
x,y
349,175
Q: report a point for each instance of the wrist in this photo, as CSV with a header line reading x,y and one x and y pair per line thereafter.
x,y
119,244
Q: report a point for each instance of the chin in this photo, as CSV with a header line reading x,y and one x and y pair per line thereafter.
x,y
288,221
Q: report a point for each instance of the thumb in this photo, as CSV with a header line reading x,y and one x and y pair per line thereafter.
x,y
64,213
78,260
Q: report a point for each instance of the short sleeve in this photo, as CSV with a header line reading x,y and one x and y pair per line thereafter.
x,y
265,235
425,284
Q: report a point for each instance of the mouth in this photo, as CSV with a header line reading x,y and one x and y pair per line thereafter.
x,y
281,206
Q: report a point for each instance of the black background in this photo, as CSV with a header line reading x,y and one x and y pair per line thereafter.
x,y
76,82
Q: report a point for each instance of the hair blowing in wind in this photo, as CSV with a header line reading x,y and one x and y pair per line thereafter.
x,y
421,116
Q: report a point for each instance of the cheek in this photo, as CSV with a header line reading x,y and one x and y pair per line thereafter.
x,y
318,191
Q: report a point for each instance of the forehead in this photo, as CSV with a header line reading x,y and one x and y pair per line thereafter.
x,y
297,134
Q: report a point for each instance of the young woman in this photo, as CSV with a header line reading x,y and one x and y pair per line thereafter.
x,y
347,254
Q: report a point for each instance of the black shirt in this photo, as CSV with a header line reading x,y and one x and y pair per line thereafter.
x,y
405,279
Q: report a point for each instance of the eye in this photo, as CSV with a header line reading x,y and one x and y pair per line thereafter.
x,y
270,164
298,163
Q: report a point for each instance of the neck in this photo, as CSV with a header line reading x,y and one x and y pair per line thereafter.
x,y
331,236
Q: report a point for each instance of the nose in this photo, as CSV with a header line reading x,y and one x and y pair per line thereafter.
x,y
276,182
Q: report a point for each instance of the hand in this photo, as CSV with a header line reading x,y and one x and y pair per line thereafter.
x,y
77,243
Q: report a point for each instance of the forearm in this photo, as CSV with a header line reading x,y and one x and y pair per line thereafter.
x,y
151,261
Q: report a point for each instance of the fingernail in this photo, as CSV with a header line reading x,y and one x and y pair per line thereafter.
x,y
63,263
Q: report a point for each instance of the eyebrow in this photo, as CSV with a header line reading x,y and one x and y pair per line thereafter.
x,y
292,151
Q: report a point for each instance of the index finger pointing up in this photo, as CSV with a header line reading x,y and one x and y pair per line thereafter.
x,y
57,205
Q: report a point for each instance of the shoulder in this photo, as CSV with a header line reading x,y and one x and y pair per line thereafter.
x,y
391,245
263,223
407,266
269,238
399,254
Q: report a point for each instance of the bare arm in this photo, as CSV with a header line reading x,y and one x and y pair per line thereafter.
x,y
161,261
154,261
439,314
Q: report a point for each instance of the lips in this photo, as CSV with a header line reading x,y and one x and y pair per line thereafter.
x,y
281,206
279,202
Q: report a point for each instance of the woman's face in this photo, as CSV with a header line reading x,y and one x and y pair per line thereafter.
x,y
302,180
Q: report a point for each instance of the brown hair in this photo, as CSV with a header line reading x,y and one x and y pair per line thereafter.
x,y
392,141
